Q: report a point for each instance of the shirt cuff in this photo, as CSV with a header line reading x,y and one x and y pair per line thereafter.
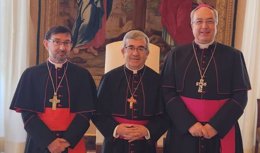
x,y
114,133
148,135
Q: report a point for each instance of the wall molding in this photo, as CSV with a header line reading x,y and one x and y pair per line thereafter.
x,y
1,144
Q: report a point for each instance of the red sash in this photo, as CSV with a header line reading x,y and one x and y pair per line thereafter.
x,y
123,120
204,110
59,120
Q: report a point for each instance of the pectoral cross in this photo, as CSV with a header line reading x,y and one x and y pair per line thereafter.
x,y
201,85
131,101
54,100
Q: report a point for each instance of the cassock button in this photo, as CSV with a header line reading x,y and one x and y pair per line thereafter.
x,y
59,77
57,134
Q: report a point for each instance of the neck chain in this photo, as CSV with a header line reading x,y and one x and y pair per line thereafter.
x,y
54,100
201,84
132,100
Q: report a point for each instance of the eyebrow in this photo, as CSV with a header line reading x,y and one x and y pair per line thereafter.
x,y
204,18
57,39
134,46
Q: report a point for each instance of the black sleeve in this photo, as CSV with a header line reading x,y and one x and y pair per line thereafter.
x,y
103,119
159,122
180,116
229,113
157,126
105,124
40,133
77,128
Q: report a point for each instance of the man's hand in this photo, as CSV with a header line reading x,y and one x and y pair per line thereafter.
x,y
58,145
196,129
208,131
131,132
138,132
123,129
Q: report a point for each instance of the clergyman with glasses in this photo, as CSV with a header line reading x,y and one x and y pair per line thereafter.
x,y
130,114
56,99
204,87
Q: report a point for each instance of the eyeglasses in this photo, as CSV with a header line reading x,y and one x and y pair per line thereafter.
x,y
200,22
132,48
59,43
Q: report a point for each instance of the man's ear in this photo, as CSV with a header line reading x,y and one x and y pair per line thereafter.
x,y
148,52
45,43
122,51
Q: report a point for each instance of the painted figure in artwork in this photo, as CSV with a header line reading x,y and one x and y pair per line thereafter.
x,y
89,28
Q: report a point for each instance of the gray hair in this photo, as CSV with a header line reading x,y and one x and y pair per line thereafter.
x,y
136,35
215,13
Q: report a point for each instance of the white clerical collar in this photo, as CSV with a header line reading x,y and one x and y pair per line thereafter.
x,y
203,46
134,71
57,65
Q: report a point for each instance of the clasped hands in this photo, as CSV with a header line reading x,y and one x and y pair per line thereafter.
x,y
58,145
131,132
199,130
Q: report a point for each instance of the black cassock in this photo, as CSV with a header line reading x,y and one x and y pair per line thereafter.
x,y
77,95
226,78
112,103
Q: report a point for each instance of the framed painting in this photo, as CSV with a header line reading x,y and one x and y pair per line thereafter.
x,y
123,16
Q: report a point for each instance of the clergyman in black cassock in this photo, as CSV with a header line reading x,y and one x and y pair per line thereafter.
x,y
56,99
204,86
129,105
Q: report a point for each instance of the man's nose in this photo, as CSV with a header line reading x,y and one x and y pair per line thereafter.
x,y
62,46
135,51
204,24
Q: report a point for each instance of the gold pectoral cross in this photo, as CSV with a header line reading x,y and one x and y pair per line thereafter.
x,y
201,85
131,101
54,100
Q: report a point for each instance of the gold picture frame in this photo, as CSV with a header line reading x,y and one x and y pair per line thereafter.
x,y
226,13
